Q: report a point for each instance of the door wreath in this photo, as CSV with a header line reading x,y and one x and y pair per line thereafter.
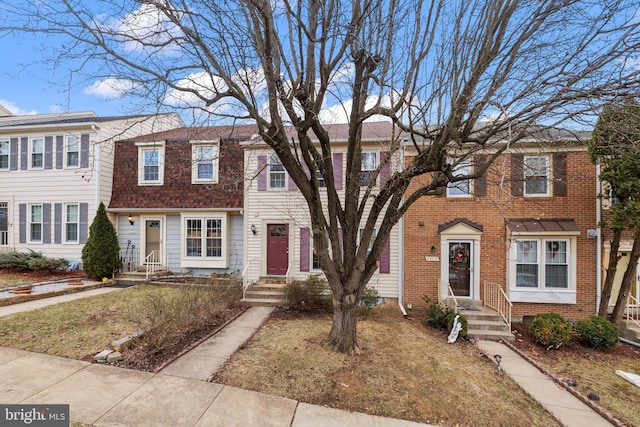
x,y
460,254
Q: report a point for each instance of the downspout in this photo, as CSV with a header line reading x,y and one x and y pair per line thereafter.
x,y
96,166
401,253
598,240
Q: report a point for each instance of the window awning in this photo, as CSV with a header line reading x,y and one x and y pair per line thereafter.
x,y
543,226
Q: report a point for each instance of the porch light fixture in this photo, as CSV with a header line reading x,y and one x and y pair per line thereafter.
x,y
253,229
131,219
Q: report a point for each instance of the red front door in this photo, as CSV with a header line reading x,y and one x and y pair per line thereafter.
x,y
277,249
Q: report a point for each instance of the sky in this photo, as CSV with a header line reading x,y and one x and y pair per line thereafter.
x,y
26,88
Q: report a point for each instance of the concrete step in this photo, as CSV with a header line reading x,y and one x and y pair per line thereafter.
x,y
265,302
271,287
486,325
270,294
630,331
489,335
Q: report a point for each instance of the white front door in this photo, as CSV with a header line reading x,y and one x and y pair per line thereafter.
x,y
153,239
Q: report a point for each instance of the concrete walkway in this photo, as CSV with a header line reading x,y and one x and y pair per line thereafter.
x,y
564,406
205,360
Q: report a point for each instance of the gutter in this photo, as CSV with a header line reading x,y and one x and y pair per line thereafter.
x,y
401,252
598,240
633,343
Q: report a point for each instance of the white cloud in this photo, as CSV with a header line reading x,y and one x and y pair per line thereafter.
x,y
111,88
15,110
147,29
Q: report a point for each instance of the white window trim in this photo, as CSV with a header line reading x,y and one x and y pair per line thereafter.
x,y
142,147
65,222
375,153
467,169
66,151
31,153
8,142
548,186
30,222
204,261
194,161
542,294
284,171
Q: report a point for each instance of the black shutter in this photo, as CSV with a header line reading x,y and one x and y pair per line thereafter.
x,y
517,174
560,174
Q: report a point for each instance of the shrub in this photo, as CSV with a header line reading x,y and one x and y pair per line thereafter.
x,y
310,294
100,255
550,330
441,317
32,261
597,332
369,299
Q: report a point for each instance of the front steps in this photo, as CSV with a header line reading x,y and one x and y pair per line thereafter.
x,y
131,278
630,331
267,292
484,323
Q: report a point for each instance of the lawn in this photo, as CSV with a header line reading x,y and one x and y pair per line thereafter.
x,y
77,329
406,371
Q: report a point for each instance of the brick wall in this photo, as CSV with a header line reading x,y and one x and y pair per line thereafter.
x,y
491,212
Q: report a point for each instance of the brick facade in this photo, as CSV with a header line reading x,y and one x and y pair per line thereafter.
x,y
491,210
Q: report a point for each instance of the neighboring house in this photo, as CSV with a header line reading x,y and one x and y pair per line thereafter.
x,y
177,198
529,226
278,241
55,169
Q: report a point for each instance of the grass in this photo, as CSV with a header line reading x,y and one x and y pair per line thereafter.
x,y
76,329
407,371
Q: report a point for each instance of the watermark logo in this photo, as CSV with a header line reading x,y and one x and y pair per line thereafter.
x,y
34,415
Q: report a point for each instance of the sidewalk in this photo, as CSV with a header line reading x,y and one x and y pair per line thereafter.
x,y
564,406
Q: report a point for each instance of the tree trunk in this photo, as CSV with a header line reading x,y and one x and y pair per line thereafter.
x,y
627,280
612,268
343,329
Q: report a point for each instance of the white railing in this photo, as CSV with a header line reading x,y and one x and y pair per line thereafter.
x,y
287,277
495,298
152,262
130,259
451,298
632,310
246,281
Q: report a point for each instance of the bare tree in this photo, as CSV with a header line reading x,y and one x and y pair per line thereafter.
x,y
453,74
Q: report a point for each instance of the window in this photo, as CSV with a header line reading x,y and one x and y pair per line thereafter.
x,y
536,176
373,238
73,151
277,174
205,163
37,153
4,223
368,165
35,223
460,188
204,241
542,264
150,164
4,154
320,178
71,222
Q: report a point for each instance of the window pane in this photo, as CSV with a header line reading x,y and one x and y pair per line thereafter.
x,y
556,276
36,213
214,247
72,213
73,148
151,165
4,161
194,239
527,275
277,175
527,252
205,171
556,252
72,232
4,147
536,174
368,166
36,232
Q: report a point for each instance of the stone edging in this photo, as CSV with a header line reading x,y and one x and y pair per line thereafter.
x,y
200,341
70,290
571,390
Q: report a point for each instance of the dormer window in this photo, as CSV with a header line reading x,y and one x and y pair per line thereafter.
x,y
205,156
150,164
